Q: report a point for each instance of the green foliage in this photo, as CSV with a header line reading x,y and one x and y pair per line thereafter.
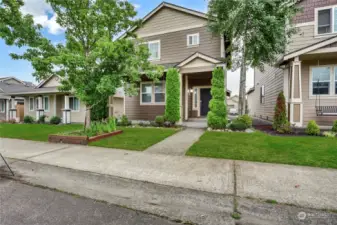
x,y
172,109
42,119
98,128
217,116
55,120
285,128
246,119
313,128
160,121
100,111
28,119
124,121
238,125
329,134
280,115
334,127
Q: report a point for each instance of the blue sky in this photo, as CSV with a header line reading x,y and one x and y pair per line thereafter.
x,y
42,14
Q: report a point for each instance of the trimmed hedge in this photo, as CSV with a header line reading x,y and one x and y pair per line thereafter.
x,y
217,116
28,119
55,120
313,128
280,115
172,109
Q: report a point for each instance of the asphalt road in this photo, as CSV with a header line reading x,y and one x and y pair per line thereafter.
x,y
22,204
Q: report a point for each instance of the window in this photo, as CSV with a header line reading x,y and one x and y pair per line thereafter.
x,y
46,103
152,93
31,104
195,95
2,106
321,80
154,49
262,94
324,21
193,39
74,104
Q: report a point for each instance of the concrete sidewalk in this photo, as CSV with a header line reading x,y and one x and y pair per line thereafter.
x,y
303,186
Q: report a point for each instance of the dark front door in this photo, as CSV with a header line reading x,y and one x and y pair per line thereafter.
x,y
205,97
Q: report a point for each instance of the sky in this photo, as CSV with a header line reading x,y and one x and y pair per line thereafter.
x,y
44,15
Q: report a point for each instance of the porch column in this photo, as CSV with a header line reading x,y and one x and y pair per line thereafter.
x,y
12,110
39,110
7,102
66,115
295,100
186,97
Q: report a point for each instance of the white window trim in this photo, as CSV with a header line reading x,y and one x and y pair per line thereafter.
x,y
3,101
159,50
79,104
188,40
198,96
152,94
332,94
332,7
43,103
29,104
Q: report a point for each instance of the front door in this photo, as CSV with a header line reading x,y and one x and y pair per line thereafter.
x,y
205,97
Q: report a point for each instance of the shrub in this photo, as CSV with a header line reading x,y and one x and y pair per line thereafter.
x,y
28,119
285,129
246,120
111,124
330,134
334,127
100,111
55,120
172,109
124,121
42,119
160,121
217,116
238,125
11,121
312,128
280,115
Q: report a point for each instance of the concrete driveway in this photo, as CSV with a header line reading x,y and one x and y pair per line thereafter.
x,y
303,186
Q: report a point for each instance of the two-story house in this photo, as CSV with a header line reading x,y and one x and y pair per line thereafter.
x,y
176,37
306,73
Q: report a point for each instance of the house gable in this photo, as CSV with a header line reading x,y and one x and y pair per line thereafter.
x,y
53,81
11,80
167,19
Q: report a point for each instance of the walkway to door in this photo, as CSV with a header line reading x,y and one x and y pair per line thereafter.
x,y
196,123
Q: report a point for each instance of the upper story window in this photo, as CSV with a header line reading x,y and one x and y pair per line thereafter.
x,y
323,80
154,48
326,20
193,39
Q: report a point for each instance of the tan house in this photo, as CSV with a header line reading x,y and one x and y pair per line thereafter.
x,y
306,73
46,99
176,37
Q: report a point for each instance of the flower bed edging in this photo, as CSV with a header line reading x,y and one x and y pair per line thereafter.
x,y
79,140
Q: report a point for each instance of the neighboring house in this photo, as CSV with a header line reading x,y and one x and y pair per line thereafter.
x,y
233,102
12,107
307,73
177,37
46,99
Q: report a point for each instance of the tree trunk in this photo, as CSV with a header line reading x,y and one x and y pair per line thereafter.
x,y
87,122
225,83
242,92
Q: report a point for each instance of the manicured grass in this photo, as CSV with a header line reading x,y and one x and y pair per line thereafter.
x,y
135,138
260,147
34,132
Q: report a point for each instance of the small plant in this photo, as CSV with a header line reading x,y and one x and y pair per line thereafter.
x,y
28,119
236,215
55,120
330,134
160,121
124,121
271,201
334,127
238,125
285,129
11,121
111,124
280,115
246,120
42,119
313,129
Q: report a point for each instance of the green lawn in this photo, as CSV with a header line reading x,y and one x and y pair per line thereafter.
x,y
135,138
260,147
34,132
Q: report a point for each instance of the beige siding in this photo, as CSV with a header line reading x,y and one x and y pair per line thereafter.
x,y
272,78
309,111
78,117
135,111
169,19
26,109
53,82
174,47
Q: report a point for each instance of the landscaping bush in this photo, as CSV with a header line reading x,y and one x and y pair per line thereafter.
x,y
246,120
217,116
313,129
124,121
172,109
238,125
285,129
28,119
111,124
42,119
330,134
98,128
334,127
160,121
280,115
55,120
11,121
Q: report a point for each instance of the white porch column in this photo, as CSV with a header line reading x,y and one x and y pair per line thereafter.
x,y
7,101
295,100
186,97
12,109
39,110
66,112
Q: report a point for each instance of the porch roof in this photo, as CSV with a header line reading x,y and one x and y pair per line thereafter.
x,y
32,91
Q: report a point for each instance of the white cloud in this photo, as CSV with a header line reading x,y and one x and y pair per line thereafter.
x,y
40,9
137,6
